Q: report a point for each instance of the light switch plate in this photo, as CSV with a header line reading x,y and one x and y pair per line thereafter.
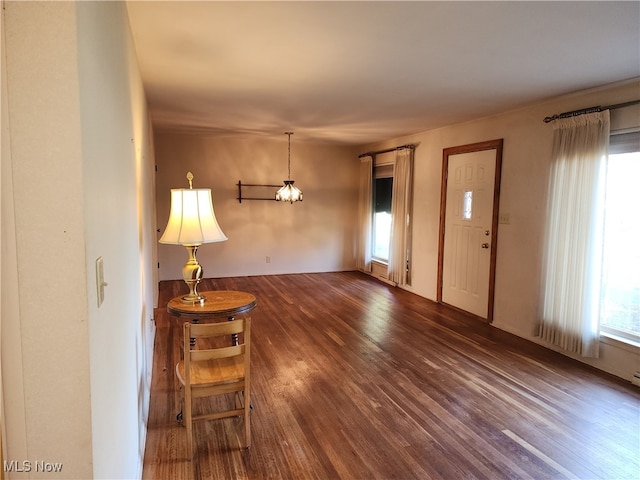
x,y
100,280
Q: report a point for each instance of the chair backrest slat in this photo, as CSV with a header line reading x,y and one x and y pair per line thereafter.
x,y
215,353
216,329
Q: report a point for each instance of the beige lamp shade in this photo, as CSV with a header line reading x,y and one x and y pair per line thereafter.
x,y
192,220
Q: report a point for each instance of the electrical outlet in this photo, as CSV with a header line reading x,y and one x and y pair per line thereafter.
x,y
268,259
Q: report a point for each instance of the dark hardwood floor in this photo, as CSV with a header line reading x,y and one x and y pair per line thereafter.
x,y
354,379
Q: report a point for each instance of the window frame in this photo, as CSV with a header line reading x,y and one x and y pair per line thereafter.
x,y
622,141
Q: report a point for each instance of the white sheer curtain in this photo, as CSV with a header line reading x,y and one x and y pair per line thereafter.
x,y
573,244
399,251
365,215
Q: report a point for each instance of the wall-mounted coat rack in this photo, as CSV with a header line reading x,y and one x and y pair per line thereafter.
x,y
258,191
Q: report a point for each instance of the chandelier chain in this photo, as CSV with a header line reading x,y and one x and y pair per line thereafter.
x,y
289,154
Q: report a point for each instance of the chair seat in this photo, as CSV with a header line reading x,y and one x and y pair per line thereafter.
x,y
213,372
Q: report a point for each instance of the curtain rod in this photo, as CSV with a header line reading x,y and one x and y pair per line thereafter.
x,y
584,111
378,152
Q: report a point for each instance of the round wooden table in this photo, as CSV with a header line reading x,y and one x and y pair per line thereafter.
x,y
217,303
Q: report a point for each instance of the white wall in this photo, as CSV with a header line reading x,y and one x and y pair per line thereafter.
x,y
10,341
50,302
525,163
118,223
77,183
315,235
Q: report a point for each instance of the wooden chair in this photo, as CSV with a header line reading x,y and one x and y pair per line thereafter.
x,y
216,370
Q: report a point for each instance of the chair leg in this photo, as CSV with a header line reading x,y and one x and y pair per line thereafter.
x,y
247,420
189,424
180,414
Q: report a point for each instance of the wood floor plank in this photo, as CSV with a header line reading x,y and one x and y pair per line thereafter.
x,y
354,379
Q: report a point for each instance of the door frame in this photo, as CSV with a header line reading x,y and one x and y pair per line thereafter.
x,y
470,148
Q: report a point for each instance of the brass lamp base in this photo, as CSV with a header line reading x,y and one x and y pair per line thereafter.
x,y
192,274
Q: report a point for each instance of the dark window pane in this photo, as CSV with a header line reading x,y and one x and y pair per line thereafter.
x,y
382,199
624,143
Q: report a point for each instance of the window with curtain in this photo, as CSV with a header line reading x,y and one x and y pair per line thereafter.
x,y
620,282
573,249
384,216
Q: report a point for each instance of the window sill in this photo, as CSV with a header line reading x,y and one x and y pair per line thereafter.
x,y
619,341
384,263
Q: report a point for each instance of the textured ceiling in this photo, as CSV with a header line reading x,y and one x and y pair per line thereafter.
x,y
361,72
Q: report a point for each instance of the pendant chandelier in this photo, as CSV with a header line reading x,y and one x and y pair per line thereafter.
x,y
288,192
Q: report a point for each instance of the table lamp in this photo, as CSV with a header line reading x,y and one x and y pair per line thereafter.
x,y
192,222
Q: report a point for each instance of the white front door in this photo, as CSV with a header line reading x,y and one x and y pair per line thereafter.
x,y
468,224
